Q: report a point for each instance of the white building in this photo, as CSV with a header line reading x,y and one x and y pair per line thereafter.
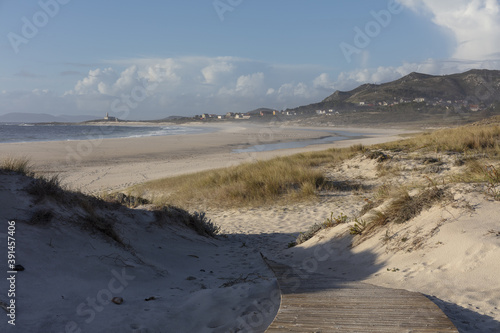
x,y
108,118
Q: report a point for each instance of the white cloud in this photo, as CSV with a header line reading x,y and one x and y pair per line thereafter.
x,y
475,24
161,71
92,83
185,85
40,92
156,88
290,93
250,84
127,80
246,86
212,73
323,82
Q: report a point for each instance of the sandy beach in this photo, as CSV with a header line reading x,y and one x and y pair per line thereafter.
x,y
189,283
97,165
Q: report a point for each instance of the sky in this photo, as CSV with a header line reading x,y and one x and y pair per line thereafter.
x,y
153,59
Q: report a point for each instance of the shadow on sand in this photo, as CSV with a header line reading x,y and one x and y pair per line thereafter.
x,y
307,292
466,320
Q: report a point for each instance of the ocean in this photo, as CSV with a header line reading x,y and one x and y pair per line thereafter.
x,y
53,132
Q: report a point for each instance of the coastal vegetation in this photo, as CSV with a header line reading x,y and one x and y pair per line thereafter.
x,y
479,139
92,212
20,165
277,181
303,176
474,150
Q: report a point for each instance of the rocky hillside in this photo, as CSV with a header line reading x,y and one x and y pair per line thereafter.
x,y
478,86
476,89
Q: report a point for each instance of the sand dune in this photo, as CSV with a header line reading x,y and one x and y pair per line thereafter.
x,y
448,252
169,278
196,284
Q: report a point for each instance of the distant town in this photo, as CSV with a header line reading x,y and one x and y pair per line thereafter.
x,y
473,93
419,102
435,102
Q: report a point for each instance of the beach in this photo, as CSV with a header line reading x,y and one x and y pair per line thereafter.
x,y
97,165
448,251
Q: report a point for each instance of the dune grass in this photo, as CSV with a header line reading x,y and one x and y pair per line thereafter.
x,y
199,222
20,165
475,146
279,180
481,171
466,139
299,177
91,212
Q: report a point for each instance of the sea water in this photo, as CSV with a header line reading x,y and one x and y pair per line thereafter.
x,y
54,132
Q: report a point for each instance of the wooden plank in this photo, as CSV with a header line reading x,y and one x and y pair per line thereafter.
x,y
317,303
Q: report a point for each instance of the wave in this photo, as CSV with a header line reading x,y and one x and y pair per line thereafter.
x,y
23,132
164,131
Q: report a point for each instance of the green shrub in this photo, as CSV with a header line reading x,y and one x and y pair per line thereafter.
x,y
358,227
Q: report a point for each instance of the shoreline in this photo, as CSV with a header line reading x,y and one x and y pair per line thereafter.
x,y
447,251
114,164
96,131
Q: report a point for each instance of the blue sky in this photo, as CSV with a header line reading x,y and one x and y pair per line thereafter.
x,y
151,59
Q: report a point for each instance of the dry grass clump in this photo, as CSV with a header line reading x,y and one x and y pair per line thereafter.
x,y
488,121
479,139
388,169
248,184
377,155
282,179
43,187
346,186
405,207
170,215
314,229
480,171
328,157
20,165
402,207
129,201
41,217
103,226
89,210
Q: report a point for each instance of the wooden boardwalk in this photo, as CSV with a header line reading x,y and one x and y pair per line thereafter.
x,y
313,303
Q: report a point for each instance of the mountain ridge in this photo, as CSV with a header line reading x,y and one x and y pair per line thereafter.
x,y
435,93
479,86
